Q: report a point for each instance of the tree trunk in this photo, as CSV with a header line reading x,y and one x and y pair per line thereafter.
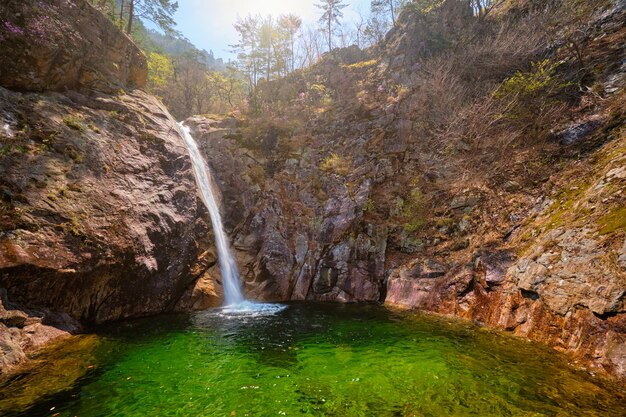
x,y
330,46
293,54
122,15
131,11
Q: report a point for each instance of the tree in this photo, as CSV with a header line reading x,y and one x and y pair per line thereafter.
x,y
332,14
291,24
160,71
157,11
387,7
266,42
228,86
359,29
482,7
310,46
247,48
375,29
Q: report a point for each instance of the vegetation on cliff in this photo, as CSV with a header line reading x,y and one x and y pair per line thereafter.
x,y
436,169
462,157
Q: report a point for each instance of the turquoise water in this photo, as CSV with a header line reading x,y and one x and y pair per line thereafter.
x,y
308,360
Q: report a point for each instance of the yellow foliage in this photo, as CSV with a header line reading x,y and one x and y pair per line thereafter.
x,y
336,164
362,64
160,69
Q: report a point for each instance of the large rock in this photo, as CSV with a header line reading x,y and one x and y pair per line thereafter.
x,y
65,44
24,331
100,216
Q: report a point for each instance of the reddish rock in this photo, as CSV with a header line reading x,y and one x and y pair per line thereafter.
x,y
65,44
102,217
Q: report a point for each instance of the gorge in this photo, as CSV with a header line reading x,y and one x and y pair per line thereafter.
x,y
436,215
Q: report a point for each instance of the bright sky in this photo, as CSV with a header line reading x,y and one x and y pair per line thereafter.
x,y
208,24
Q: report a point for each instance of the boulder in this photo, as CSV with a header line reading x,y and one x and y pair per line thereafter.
x,y
65,44
100,213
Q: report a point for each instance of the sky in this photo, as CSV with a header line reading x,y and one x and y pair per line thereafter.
x,y
208,24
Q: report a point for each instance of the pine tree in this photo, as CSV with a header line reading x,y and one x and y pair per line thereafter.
x,y
387,7
157,11
332,14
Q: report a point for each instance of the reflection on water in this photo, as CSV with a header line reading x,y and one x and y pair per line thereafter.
x,y
322,360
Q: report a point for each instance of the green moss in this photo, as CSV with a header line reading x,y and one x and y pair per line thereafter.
x,y
257,175
564,208
413,204
73,154
93,127
612,222
73,225
414,225
75,123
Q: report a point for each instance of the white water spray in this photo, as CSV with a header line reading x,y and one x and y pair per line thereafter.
x,y
230,274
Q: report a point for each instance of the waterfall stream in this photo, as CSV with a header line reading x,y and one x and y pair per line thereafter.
x,y
228,267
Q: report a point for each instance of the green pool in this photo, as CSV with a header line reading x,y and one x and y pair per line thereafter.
x,y
305,360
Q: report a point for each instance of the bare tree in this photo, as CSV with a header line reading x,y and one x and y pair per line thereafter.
x,y
291,24
387,7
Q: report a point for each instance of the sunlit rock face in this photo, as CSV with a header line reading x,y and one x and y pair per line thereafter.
x,y
358,201
99,214
290,244
65,44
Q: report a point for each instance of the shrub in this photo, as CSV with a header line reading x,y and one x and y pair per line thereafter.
x,y
336,164
540,80
528,97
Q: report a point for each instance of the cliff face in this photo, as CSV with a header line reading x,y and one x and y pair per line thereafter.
x,y
430,176
466,167
55,45
99,216
297,231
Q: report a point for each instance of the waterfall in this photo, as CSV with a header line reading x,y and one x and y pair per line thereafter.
x,y
230,274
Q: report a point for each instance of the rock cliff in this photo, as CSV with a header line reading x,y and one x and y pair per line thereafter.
x,y
415,177
467,166
99,217
56,45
